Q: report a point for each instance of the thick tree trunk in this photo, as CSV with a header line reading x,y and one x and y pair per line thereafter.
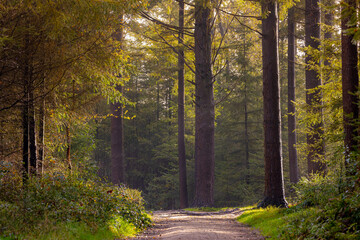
x,y
293,162
350,85
274,183
181,113
315,140
204,109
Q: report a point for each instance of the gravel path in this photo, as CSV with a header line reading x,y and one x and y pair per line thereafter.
x,y
185,225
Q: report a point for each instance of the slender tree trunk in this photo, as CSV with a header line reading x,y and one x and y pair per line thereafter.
x,y
204,109
25,122
274,182
246,123
41,145
181,113
68,143
246,116
350,84
25,112
157,100
117,132
315,139
293,162
117,143
32,132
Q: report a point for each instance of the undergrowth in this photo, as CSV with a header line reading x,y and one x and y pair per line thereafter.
x,y
57,206
326,208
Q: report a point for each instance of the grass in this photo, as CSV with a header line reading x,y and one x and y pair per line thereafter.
x,y
271,221
115,228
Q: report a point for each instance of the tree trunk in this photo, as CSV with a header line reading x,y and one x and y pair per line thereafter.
x,y
25,122
246,117
314,139
350,85
41,146
204,109
181,113
274,183
68,143
25,113
117,143
32,132
117,133
293,162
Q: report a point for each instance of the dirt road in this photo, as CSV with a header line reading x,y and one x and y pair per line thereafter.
x,y
185,225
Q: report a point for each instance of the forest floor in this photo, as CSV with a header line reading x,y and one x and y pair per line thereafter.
x,y
188,225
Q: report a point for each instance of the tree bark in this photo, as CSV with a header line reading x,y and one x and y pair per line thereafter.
x,y
246,117
181,113
32,132
293,162
41,145
314,139
350,84
117,133
25,122
117,143
274,182
204,109
25,112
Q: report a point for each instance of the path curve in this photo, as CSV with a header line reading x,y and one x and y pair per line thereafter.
x,y
171,225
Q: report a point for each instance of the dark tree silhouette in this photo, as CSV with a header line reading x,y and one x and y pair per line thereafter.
x,y
274,182
117,132
293,162
314,139
204,109
350,81
181,117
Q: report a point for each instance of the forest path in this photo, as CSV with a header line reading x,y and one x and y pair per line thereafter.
x,y
187,225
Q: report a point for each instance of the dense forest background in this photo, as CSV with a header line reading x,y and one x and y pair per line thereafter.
x,y
63,62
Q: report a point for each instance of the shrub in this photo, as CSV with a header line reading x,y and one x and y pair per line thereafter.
x,y
55,199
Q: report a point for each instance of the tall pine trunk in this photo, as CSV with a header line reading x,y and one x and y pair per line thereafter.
x,y
274,182
314,138
181,109
204,109
350,83
117,133
293,162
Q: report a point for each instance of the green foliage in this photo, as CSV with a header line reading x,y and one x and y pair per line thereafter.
x,y
269,220
56,200
335,212
316,190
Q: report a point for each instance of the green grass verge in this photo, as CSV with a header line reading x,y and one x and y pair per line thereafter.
x,y
115,228
272,222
